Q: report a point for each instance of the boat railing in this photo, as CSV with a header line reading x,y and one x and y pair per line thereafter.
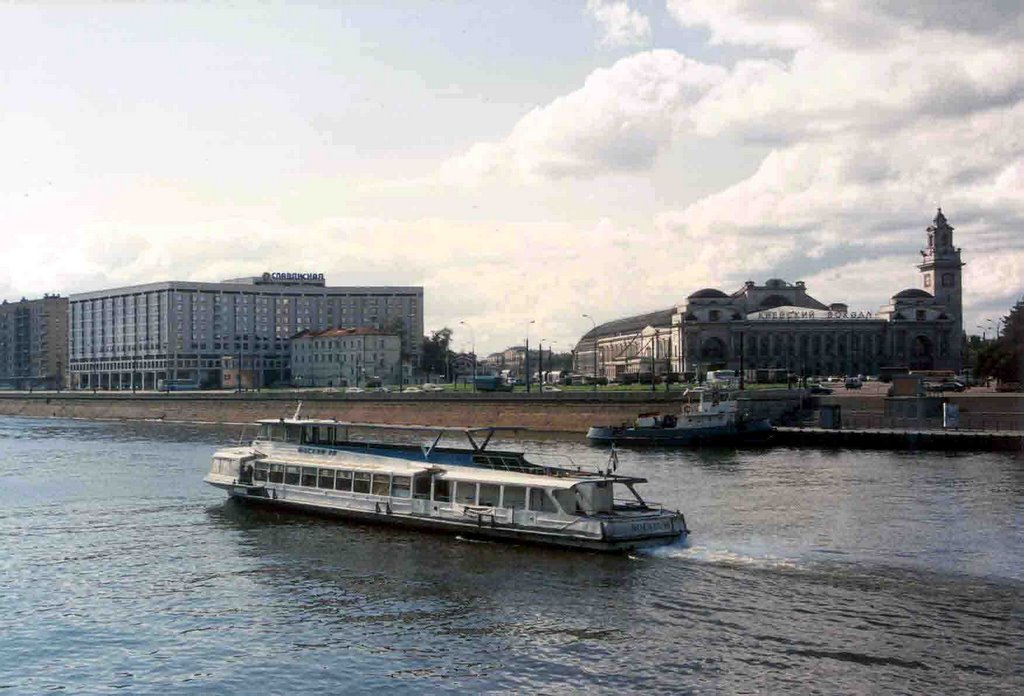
x,y
572,468
633,504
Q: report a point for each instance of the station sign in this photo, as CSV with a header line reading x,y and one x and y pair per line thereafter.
x,y
805,314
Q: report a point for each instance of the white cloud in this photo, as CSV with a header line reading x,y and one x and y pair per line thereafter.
x,y
619,120
622,25
794,24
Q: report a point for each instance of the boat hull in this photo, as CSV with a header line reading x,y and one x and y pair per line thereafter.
x,y
665,528
680,437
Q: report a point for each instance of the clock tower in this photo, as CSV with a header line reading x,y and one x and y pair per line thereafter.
x,y
941,276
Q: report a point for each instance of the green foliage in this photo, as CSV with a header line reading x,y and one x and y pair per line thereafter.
x,y
436,353
1003,358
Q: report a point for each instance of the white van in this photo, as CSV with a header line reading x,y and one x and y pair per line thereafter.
x,y
725,378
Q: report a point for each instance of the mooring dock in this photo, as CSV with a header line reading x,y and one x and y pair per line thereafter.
x,y
902,438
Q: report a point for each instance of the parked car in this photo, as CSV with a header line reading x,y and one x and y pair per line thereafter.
x,y
950,385
819,389
852,383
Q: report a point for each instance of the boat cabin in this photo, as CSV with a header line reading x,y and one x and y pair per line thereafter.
x,y
471,488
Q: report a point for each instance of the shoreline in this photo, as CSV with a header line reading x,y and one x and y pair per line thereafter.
x,y
557,417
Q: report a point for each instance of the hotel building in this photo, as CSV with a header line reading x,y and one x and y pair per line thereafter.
x,y
186,333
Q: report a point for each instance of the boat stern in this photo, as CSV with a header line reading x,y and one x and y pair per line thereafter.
x,y
653,528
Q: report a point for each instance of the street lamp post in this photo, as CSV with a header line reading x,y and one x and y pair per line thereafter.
x,y
551,356
594,327
526,357
472,335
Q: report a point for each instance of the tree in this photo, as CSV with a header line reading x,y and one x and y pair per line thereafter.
x,y
1003,358
436,354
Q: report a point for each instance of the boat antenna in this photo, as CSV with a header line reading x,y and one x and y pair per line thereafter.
x,y
298,410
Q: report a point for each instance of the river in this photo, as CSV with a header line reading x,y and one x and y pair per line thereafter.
x,y
808,571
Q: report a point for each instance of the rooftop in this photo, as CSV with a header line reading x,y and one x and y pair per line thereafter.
x,y
633,324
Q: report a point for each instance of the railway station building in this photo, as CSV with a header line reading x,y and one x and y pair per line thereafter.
x,y
778,325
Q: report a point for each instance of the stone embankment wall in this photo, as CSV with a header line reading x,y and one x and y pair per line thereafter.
x,y
978,411
556,412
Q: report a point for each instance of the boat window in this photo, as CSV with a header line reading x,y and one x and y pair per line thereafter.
x,y
260,474
264,432
291,433
595,497
400,486
515,497
276,473
321,435
381,484
490,494
360,482
309,476
421,486
291,475
566,500
343,481
442,490
540,501
326,479
309,435
465,493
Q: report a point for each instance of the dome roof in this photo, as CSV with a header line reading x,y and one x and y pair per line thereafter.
x,y
910,293
707,292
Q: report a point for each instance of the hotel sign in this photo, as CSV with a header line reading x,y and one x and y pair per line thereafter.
x,y
804,314
293,276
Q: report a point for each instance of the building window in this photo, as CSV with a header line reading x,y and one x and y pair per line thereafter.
x,y
927,281
920,315
713,315
947,280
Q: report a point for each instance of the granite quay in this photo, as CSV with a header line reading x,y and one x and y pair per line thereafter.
x,y
1000,416
548,412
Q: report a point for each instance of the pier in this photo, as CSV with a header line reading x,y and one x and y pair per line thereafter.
x,y
901,438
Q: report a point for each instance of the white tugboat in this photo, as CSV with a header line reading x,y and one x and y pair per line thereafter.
x,y
314,465
708,415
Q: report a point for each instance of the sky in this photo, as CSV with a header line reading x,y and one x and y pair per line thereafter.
x,y
526,163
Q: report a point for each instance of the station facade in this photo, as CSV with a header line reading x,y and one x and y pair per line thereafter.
x,y
189,333
779,326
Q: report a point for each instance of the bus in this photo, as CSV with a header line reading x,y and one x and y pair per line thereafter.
x,y
491,383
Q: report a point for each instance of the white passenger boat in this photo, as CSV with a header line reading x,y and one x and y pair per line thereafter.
x,y
473,491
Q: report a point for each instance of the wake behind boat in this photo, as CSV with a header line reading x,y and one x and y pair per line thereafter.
x,y
708,415
476,492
